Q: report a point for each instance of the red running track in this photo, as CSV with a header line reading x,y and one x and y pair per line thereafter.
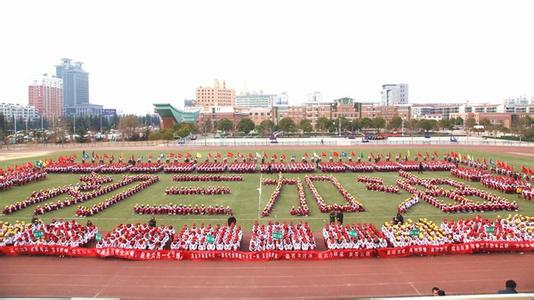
x,y
456,274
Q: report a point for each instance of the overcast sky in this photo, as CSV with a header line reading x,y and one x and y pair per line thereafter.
x,y
141,52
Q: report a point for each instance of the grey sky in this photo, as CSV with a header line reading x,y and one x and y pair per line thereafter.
x,y
140,52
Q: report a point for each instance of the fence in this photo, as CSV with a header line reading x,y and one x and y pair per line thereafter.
x,y
265,142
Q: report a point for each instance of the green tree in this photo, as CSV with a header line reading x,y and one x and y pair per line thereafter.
x,y
355,125
396,122
366,123
266,127
346,124
379,123
287,124
445,124
182,132
323,124
485,122
305,125
245,125
226,125
427,124
470,122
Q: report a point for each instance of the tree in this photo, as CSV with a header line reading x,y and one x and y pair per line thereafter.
x,y
226,125
266,127
323,124
366,123
305,125
245,125
206,126
379,123
128,126
182,132
287,124
355,125
427,124
486,123
346,124
445,124
396,122
470,122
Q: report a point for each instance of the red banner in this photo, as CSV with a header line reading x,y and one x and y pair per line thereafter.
x,y
133,254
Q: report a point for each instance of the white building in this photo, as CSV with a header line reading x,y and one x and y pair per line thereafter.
x,y
10,110
394,94
315,97
281,100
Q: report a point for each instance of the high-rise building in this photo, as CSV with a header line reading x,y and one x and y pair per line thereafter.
x,y
248,100
281,100
46,95
394,94
10,110
315,97
215,96
75,83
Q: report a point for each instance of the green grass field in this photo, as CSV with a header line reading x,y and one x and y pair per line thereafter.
x,y
380,207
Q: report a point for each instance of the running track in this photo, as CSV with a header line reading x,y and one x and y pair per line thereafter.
x,y
89,277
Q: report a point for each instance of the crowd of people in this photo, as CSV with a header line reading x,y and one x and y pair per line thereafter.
x,y
147,180
514,228
332,167
76,197
137,236
469,174
215,178
355,236
36,197
57,233
438,165
147,167
352,205
281,237
8,231
359,166
387,166
379,187
209,190
212,167
181,209
21,175
208,238
528,194
365,179
242,167
115,168
179,167
408,203
292,167
505,184
409,233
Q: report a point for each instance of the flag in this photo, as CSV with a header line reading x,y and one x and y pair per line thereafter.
x,y
436,154
427,155
199,155
250,155
353,154
409,153
335,154
209,155
179,155
218,155
361,155
258,155
323,154
419,154
171,155
306,154
229,154
188,155
344,154
315,155
239,154
275,156
283,156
